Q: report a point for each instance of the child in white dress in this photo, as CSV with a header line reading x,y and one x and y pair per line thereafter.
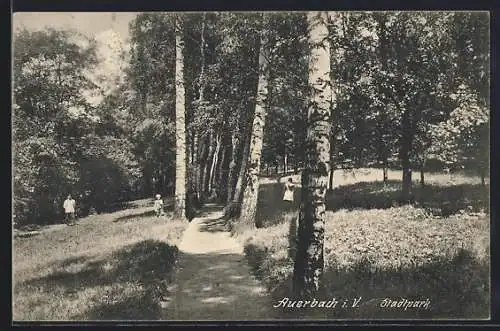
x,y
288,196
158,206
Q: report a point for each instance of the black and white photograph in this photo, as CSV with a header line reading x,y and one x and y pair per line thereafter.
x,y
251,166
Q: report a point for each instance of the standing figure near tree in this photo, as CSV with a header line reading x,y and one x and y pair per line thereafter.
x,y
288,196
158,206
69,210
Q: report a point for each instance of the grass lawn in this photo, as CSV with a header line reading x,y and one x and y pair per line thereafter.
x,y
109,266
436,249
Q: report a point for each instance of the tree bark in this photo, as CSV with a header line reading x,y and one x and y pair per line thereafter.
x,y
285,163
309,261
202,151
232,167
206,169
180,125
202,59
191,155
422,173
221,171
406,144
233,209
215,160
199,151
330,181
422,179
251,192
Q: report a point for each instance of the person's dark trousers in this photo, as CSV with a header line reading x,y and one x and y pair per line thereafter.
x,y
69,218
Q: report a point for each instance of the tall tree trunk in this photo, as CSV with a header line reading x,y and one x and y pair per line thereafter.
x,y
199,151
422,179
191,155
285,164
382,50
221,170
215,160
233,209
238,190
422,173
385,167
405,155
180,124
206,168
202,59
309,261
250,195
232,167
224,177
144,102
202,155
330,180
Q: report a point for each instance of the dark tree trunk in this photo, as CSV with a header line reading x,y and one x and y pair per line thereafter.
x,y
205,164
233,210
385,168
406,144
215,161
221,170
422,173
203,147
231,178
224,174
206,169
483,176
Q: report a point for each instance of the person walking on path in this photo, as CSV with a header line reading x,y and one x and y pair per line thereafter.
x,y
158,206
69,210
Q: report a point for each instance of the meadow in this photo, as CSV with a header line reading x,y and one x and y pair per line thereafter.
x,y
120,265
436,248
107,267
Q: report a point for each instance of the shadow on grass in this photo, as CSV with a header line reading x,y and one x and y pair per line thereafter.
x,y
168,208
438,200
147,213
208,209
457,287
219,224
146,265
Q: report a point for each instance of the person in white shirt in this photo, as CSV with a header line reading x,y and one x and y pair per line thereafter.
x,y
69,210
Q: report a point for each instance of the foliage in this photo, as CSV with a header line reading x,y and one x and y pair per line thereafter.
x,y
63,142
84,122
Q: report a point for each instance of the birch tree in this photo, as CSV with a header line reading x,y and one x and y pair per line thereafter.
x,y
250,195
309,262
180,123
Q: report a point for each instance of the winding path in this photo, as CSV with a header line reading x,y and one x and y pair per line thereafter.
x,y
213,280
